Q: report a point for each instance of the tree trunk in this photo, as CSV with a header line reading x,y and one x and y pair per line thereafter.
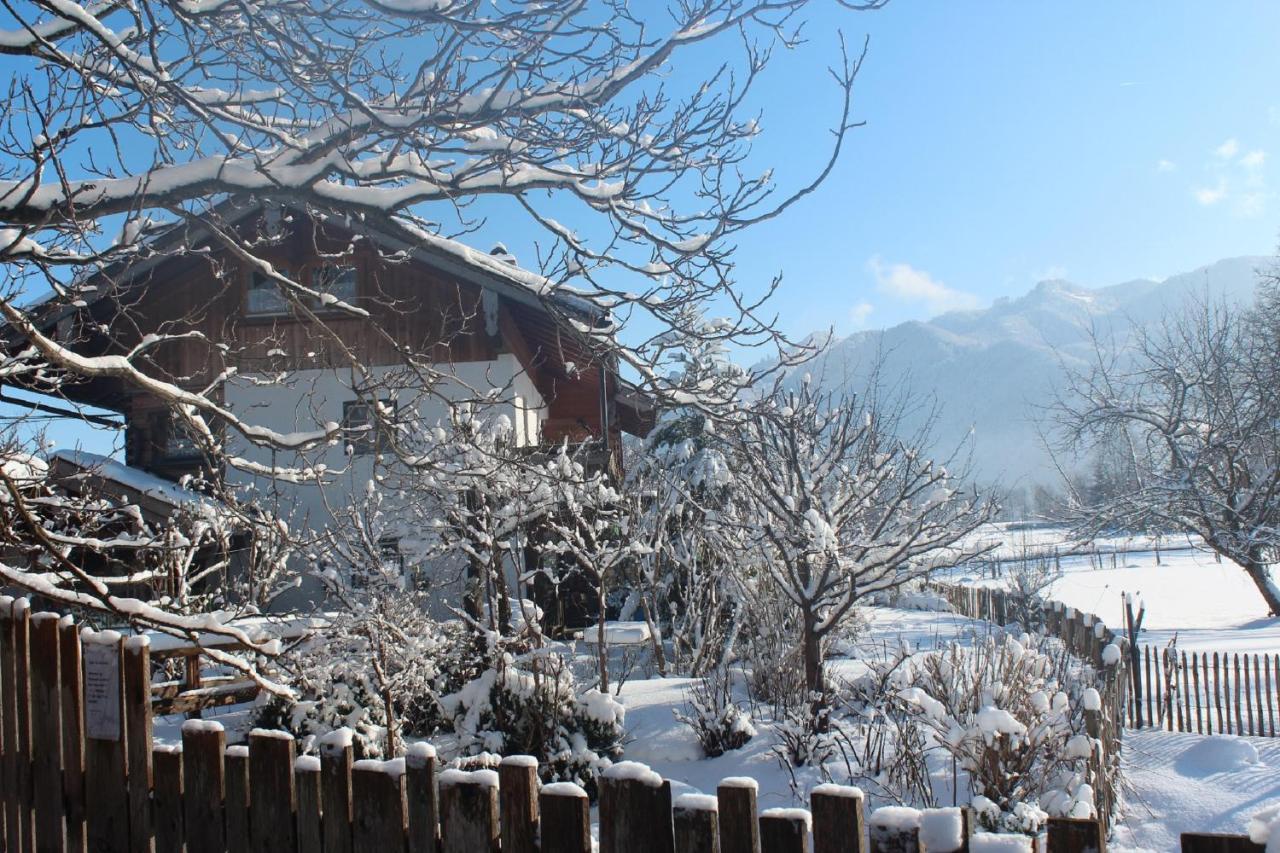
x,y
602,650
812,649
655,637
1260,573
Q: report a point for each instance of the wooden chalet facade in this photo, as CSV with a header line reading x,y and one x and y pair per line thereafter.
x,y
444,300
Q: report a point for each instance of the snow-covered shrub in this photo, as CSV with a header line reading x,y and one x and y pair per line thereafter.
x,y
527,703
377,669
718,723
769,644
1002,710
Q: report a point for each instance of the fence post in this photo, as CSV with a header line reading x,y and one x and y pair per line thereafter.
x,y
838,823
423,807
335,790
166,772
107,823
203,789
635,810
377,805
566,818
696,822
739,829
784,831
469,812
944,830
137,716
46,733
518,803
71,699
306,780
272,797
895,829
237,796
1068,835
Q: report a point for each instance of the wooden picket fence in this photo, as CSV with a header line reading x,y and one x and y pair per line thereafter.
x,y
1207,692
79,772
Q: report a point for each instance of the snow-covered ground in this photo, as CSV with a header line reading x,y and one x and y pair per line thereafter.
x,y
1210,605
1193,783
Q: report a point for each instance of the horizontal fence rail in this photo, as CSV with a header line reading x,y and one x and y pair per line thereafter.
x,y
79,772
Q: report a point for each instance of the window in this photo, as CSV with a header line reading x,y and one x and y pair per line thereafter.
x,y
265,296
360,424
338,281
177,443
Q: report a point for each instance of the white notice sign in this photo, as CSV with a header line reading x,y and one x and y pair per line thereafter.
x,y
102,691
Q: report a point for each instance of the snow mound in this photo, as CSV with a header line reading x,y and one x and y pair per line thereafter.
x,y
1217,754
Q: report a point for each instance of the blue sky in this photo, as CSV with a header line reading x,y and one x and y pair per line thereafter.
x,y
1007,142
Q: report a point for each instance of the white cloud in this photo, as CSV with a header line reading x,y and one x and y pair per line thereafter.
x,y
1166,166
1209,196
858,314
905,282
1254,159
1228,149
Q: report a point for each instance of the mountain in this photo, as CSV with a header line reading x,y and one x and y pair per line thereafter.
x,y
994,370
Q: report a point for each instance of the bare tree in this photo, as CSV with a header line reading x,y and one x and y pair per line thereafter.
x,y
1196,401
836,506
132,127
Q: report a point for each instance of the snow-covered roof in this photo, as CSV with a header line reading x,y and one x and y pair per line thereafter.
x,y
136,480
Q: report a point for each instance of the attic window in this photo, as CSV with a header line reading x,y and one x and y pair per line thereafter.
x,y
265,297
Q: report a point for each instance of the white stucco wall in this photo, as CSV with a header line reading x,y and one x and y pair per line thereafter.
x,y
310,398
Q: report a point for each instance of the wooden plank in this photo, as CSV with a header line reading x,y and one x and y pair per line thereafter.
x,y
739,829
1066,835
272,798
1271,714
1248,697
137,715
71,700
894,829
566,818
469,812
1235,697
377,804
46,733
1217,697
166,774
204,785
8,728
1146,655
236,800
1186,693
946,830
306,780
635,810
1195,681
838,822
22,746
784,831
695,819
1257,687
1207,842
518,803
420,791
105,774
335,790
1169,687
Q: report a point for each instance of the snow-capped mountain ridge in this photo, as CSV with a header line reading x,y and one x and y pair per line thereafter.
x,y
995,369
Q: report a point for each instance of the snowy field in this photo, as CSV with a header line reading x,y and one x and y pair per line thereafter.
x,y
1210,605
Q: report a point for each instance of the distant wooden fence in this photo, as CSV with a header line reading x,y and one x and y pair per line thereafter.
x,y
79,772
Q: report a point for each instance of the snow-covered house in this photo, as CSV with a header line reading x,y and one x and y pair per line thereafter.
x,y
486,323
